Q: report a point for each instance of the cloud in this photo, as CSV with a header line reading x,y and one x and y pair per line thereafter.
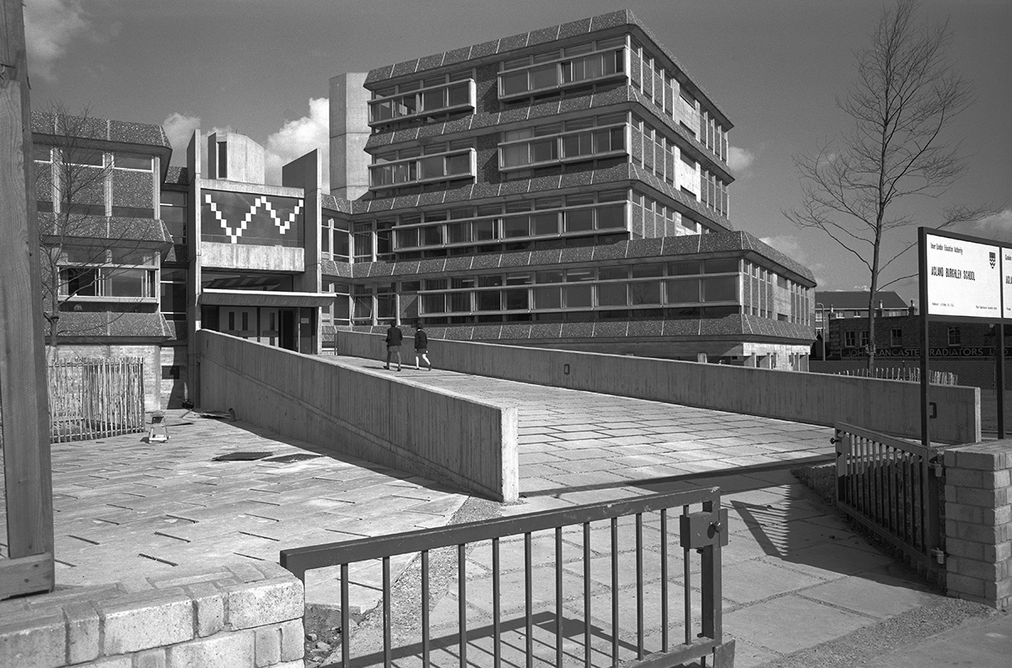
x,y
180,127
739,159
298,137
50,25
998,224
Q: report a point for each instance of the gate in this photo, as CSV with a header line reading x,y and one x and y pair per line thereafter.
x,y
891,487
96,398
575,611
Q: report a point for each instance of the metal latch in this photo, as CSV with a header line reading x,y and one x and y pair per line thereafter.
x,y
698,530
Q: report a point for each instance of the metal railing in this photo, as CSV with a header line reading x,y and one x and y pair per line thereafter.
x,y
891,487
646,527
96,398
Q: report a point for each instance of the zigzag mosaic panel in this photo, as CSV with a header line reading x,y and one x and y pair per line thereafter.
x,y
249,218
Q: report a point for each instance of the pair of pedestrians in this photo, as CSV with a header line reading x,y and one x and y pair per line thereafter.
x,y
394,339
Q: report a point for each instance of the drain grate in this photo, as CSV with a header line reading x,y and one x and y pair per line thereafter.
x,y
288,459
242,456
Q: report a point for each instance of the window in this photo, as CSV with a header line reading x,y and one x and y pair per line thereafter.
x,y
549,71
896,337
173,214
954,336
455,165
435,99
865,338
850,339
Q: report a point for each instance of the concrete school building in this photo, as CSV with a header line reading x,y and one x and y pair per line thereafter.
x,y
566,187
563,188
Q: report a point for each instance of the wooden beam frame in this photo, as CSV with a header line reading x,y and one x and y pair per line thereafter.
x,y
23,387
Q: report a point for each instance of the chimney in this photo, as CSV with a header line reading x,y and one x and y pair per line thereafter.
x,y
878,311
912,309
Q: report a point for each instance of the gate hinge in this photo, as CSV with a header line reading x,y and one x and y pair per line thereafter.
x,y
939,555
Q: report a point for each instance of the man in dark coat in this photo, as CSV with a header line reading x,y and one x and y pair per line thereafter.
x,y
422,347
394,338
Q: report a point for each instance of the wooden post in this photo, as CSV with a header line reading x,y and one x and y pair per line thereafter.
x,y
23,389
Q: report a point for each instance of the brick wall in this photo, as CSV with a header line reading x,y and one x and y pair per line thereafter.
x,y
978,522
243,615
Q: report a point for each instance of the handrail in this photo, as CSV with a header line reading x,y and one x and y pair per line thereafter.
x,y
301,559
702,532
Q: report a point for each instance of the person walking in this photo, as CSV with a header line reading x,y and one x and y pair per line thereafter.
x,y
422,347
394,338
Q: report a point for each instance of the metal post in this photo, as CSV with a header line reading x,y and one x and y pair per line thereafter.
x,y
922,265
999,361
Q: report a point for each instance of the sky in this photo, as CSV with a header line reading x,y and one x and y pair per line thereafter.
x,y
775,67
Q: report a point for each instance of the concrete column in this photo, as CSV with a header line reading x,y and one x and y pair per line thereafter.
x,y
978,522
349,132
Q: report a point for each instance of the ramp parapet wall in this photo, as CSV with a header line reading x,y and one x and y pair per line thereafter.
x,y
468,444
888,406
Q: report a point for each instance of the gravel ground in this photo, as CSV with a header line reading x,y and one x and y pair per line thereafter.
x,y
324,625
871,642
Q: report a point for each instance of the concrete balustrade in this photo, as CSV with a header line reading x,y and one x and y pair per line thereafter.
x,y
887,406
243,615
377,417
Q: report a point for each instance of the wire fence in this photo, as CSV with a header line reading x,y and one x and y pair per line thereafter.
x,y
912,374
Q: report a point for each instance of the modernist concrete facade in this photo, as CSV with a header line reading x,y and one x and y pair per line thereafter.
x,y
566,187
562,188
97,185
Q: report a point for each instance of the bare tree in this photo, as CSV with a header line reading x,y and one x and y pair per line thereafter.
x,y
77,238
906,94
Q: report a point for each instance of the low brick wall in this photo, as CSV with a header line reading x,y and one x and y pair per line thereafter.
x,y
244,615
978,522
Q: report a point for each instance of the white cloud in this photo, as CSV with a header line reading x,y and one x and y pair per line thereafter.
x,y
739,159
999,224
50,25
180,127
298,137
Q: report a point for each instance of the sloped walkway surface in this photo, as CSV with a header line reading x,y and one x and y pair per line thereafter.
x,y
570,438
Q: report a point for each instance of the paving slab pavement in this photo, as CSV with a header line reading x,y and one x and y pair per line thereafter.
x,y
571,438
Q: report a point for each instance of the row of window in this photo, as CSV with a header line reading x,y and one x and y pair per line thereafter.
x,y
546,71
92,158
581,145
431,100
107,281
446,166
853,339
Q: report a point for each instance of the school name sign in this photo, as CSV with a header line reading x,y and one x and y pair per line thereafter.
x,y
965,278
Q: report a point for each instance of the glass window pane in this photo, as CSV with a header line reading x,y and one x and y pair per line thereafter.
x,y
458,164
544,77
611,217
458,233
459,94
545,223
514,83
544,150
516,299
549,277
432,236
434,99
484,230
647,270
431,168
514,155
580,275
611,294
407,238
128,283
488,300
687,268
579,220
720,289
516,226
645,292
578,296
547,298
686,290
720,265
128,161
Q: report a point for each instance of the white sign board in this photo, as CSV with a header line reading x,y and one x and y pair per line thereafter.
x,y
964,278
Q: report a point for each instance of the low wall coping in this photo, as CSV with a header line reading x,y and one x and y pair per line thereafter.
x,y
186,617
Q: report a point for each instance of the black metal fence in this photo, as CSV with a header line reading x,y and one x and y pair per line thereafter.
x,y
600,584
892,487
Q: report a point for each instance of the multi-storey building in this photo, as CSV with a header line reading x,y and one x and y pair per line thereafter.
x,y
97,185
564,187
